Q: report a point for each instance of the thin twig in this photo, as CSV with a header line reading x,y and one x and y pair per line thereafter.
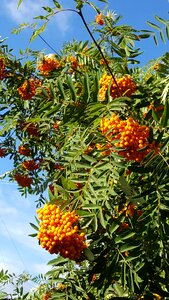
x,y
100,50
47,44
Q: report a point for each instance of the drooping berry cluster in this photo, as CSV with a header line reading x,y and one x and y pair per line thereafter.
x,y
123,86
24,150
30,128
30,165
131,136
58,232
3,152
23,180
28,89
48,64
2,68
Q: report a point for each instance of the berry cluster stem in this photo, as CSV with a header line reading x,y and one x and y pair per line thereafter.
x,y
100,50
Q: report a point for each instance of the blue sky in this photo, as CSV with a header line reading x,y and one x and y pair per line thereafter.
x,y
19,252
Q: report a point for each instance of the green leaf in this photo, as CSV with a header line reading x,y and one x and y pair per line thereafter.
x,y
79,4
86,87
72,297
165,144
93,6
162,36
19,3
128,247
88,254
58,261
137,279
165,115
59,295
131,279
139,266
118,289
101,218
37,32
61,90
91,206
164,207
72,88
125,186
34,226
153,25
84,214
113,227
167,32
52,111
89,158
123,236
154,115
32,234
57,4
155,39
160,20
123,275
48,9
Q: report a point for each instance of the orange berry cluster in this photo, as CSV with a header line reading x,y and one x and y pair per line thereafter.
x,y
131,137
99,19
126,86
30,128
56,125
24,150
3,152
74,62
47,296
2,68
159,109
28,89
23,180
30,165
48,64
57,233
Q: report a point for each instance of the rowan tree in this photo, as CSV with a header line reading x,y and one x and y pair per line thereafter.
x,y
90,126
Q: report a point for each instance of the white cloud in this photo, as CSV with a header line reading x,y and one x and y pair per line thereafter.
x,y
30,9
62,20
26,11
13,266
8,210
41,268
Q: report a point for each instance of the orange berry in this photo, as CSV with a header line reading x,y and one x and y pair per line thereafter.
x,y
99,19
